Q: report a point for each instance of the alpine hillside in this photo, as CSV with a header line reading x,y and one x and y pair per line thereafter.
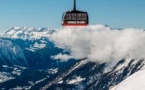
x,y
26,62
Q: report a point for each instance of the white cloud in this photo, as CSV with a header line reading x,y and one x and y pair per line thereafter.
x,y
100,43
63,57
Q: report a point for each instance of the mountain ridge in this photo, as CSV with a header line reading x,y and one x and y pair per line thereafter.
x,y
29,33
38,69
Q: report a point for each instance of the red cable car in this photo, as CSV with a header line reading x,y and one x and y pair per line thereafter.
x,y
75,17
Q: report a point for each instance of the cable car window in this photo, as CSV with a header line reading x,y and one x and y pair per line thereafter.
x,y
73,16
68,16
84,16
79,16
65,17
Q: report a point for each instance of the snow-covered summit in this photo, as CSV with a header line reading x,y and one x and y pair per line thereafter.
x,y
27,33
134,82
37,33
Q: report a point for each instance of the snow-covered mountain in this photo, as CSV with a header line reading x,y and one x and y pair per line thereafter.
x,y
27,33
133,82
37,36
11,54
26,63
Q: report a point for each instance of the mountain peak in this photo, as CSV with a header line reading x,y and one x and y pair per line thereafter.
x,y
27,32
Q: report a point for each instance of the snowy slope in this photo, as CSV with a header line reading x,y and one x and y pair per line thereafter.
x,y
11,53
134,82
30,34
27,33
10,72
24,45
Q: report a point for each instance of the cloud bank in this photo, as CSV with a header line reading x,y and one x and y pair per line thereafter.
x,y
100,43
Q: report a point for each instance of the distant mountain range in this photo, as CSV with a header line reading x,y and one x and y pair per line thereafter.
x,y
26,63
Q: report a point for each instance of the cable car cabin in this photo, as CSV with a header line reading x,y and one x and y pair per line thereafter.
x,y
75,18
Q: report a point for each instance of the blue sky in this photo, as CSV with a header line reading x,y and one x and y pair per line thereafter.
x,y
48,13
